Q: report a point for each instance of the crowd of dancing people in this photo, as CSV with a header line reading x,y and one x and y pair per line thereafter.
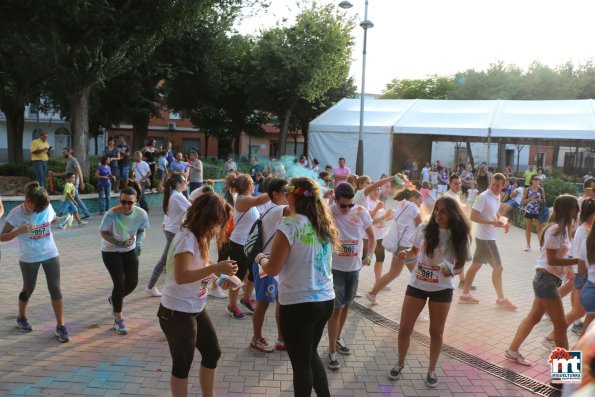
x,y
300,243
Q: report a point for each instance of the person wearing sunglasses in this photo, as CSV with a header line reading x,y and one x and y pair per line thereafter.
x,y
353,222
588,191
533,200
123,231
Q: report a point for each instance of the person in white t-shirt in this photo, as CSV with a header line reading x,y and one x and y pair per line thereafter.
x,y
550,271
425,173
485,213
440,249
30,223
267,287
142,175
364,187
380,218
586,266
406,218
353,222
175,206
182,314
516,195
301,255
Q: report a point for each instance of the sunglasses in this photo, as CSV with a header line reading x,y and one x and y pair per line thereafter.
x,y
346,205
126,202
328,180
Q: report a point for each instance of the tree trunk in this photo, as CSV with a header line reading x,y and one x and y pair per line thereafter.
x,y
470,155
206,152
140,129
79,124
283,132
555,156
15,123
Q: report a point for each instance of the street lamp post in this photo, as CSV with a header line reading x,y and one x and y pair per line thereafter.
x,y
365,24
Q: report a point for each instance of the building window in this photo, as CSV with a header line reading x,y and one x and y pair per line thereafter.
x,y
540,160
190,145
159,142
61,139
175,116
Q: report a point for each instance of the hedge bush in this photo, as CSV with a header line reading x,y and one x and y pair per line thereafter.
x,y
554,187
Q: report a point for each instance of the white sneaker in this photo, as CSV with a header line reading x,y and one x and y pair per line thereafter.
x,y
423,319
153,292
82,222
527,249
217,293
371,298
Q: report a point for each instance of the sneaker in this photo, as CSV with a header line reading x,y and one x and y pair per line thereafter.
x,y
431,380
468,299
280,345
153,292
528,248
82,222
62,334
371,298
423,319
249,304
235,312
342,347
505,304
358,295
548,344
516,357
333,361
85,217
120,327
577,328
217,293
462,286
23,324
261,344
396,372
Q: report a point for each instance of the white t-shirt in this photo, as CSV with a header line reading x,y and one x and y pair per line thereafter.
x,y
141,170
196,193
590,266
123,228
519,195
456,196
425,174
429,273
361,198
580,236
38,244
306,275
560,243
270,222
242,222
380,227
487,204
176,212
351,228
472,195
405,214
191,297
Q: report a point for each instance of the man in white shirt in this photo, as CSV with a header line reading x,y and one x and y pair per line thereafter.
x,y
352,221
485,213
142,172
454,188
425,173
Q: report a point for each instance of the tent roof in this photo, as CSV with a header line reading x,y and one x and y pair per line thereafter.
x,y
558,120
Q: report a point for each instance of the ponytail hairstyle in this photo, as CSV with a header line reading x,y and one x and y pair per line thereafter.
x,y
37,195
587,210
408,194
241,184
206,219
361,180
170,184
228,187
309,202
562,215
352,180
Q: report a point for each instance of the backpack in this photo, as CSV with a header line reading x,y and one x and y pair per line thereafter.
x,y
254,244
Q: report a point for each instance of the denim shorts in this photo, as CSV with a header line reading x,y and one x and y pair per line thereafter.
x,y
579,281
68,207
588,297
345,285
512,203
545,285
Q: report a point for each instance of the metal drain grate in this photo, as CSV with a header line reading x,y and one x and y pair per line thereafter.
x,y
532,385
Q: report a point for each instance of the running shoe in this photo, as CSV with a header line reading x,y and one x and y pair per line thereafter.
x,y
548,344
82,223
357,294
516,357
249,304
468,299
333,361
342,347
577,328
62,334
396,372
371,298
262,345
423,319
431,380
528,248
217,293
153,292
280,345
85,217
234,312
120,327
23,324
505,304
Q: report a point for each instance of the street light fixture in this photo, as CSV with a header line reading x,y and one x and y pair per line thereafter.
x,y
365,24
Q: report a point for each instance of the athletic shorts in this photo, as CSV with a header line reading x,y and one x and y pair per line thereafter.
x,y
443,295
266,288
486,251
378,252
545,285
588,297
512,203
345,285
532,216
68,207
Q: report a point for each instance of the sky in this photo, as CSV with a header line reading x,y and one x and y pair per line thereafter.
x,y
416,38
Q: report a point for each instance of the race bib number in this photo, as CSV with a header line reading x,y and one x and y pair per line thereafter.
x,y
349,248
39,231
428,273
204,284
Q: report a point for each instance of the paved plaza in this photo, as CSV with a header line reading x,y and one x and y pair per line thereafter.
x,y
98,362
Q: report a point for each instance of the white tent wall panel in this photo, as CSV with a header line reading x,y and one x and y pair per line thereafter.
x,y
445,152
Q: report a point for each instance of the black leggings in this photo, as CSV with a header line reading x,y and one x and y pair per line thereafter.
x,y
123,268
236,253
186,331
51,268
301,326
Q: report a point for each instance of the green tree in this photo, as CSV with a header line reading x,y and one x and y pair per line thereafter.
x,y
433,87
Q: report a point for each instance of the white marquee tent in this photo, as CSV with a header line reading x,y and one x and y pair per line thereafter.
x,y
334,133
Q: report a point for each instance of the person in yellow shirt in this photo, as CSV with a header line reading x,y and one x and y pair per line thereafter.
x,y
69,203
528,174
40,153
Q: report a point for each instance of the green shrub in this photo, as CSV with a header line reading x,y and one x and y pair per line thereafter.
x,y
554,187
213,171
